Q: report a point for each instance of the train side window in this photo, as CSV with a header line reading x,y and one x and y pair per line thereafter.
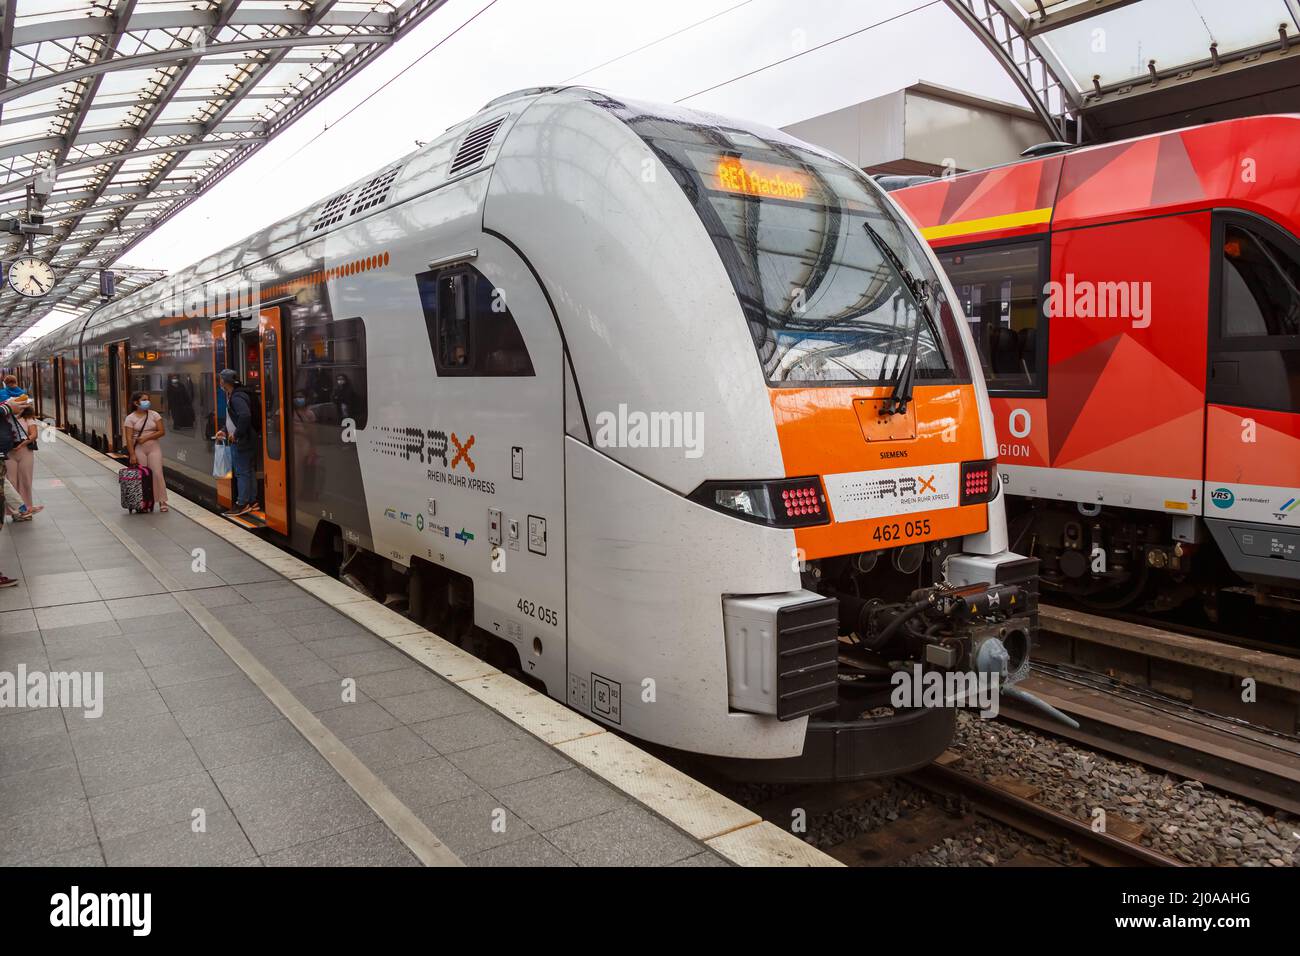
x,y
1255,337
329,373
271,394
471,330
1000,290
453,322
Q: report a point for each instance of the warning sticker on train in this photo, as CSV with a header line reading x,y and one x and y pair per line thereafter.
x,y
858,495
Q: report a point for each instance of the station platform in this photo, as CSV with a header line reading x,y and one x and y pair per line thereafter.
x,y
257,712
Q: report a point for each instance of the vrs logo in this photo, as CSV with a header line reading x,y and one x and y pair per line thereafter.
x,y
1286,509
1222,497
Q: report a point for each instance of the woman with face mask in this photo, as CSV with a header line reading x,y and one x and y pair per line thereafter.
x,y
143,427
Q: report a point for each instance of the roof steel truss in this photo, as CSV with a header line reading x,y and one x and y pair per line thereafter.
x,y
122,163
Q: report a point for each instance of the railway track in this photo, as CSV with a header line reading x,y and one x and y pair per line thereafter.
x,y
1114,844
956,802
1171,700
1250,762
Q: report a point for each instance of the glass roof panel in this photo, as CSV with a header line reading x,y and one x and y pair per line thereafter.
x,y
52,36
1116,45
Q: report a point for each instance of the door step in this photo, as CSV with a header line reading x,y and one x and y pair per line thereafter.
x,y
252,520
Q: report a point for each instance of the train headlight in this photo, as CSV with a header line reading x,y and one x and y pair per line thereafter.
x,y
787,503
979,481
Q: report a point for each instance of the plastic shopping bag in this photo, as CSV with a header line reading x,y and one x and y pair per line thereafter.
x,y
221,465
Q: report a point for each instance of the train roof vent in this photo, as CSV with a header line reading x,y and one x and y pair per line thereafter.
x,y
475,146
375,191
333,211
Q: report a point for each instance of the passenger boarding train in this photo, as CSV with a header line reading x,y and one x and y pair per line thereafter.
x,y
1137,309
668,413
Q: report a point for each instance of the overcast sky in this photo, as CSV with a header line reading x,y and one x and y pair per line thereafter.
x,y
756,59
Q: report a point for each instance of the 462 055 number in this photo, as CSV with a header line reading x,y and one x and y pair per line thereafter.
x,y
901,530
544,614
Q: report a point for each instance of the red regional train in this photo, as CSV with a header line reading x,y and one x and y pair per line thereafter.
x,y
1136,306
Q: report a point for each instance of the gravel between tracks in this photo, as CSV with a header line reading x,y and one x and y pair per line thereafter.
x,y
983,843
1182,818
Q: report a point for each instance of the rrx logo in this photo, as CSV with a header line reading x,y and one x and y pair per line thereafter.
x,y
900,487
436,445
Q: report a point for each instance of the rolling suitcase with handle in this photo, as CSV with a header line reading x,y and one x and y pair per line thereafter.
x,y
136,487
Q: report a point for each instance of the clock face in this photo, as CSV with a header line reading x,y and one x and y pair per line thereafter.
x,y
31,277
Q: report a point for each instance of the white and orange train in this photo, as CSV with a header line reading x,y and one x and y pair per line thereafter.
x,y
667,411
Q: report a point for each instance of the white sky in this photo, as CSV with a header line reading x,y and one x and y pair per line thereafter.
x,y
521,43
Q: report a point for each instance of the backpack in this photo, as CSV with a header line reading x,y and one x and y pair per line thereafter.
x,y
254,407
9,432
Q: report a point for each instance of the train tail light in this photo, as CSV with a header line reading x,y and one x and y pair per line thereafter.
x,y
788,503
979,481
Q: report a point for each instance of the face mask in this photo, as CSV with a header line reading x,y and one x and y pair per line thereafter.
x,y
300,402
144,405
340,382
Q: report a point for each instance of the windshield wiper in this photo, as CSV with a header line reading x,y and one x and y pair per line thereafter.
x,y
904,376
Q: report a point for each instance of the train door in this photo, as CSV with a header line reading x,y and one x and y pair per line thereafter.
x,y
258,357
225,494
275,485
60,394
1126,401
36,389
246,360
1252,467
119,358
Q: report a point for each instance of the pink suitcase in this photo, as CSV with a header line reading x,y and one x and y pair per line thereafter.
x,y
136,487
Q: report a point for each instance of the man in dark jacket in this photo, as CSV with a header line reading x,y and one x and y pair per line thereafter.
x,y
241,433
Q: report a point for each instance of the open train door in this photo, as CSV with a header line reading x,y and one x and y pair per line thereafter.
x,y
275,486
119,358
225,493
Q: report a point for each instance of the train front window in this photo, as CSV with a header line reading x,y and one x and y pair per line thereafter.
x,y
824,305
1255,335
999,290
1261,285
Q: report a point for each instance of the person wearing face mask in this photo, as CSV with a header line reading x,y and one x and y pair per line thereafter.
x,y
343,396
143,427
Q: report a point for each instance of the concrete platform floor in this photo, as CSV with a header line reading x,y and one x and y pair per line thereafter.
x,y
199,759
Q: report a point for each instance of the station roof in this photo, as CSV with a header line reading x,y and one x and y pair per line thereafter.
x,y
138,106
1101,70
